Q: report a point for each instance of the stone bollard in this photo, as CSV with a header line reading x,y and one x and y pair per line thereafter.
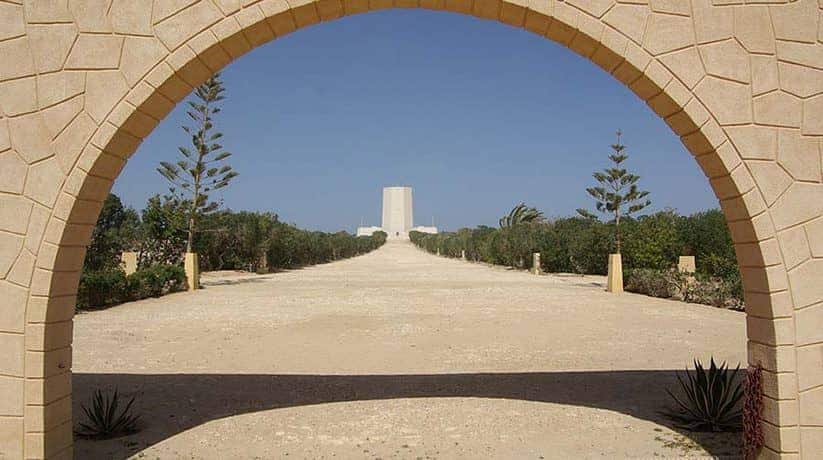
x,y
536,269
463,254
129,260
615,276
263,266
438,251
686,264
192,270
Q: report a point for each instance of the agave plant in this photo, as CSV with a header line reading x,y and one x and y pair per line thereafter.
x,y
103,420
520,214
711,399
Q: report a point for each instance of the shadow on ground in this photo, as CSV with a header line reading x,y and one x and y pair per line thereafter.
x,y
205,284
173,403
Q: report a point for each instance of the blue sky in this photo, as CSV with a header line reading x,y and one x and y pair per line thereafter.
x,y
475,115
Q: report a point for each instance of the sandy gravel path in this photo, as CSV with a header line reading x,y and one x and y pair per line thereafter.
x,y
400,354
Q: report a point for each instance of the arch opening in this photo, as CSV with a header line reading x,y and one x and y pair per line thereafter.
x,y
715,117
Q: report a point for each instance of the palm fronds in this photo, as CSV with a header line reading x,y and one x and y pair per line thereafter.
x,y
520,214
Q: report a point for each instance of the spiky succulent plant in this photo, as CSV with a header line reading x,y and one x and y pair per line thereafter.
x,y
710,399
104,420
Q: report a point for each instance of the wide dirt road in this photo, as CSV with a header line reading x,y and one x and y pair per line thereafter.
x,y
400,354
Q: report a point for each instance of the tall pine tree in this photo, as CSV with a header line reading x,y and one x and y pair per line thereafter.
x,y
199,172
617,195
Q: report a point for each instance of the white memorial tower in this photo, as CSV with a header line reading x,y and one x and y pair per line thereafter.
x,y
398,215
397,211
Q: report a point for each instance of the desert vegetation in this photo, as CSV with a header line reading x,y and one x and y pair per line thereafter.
x,y
225,240
106,417
202,167
708,399
617,194
651,245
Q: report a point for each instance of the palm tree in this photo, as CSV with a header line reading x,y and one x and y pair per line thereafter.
x,y
520,214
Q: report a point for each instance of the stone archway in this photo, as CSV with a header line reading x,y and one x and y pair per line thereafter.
x,y
84,81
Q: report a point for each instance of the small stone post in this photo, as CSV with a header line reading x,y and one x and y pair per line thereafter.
x,y
615,276
263,266
463,254
129,260
192,270
686,264
438,251
536,269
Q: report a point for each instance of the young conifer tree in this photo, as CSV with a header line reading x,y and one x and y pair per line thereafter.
x,y
202,170
618,194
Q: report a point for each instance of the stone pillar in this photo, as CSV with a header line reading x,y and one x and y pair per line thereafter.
x,y
536,269
615,276
463,254
686,264
263,265
438,251
192,270
129,260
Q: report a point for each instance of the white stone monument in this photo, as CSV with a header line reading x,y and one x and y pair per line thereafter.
x,y
397,211
398,215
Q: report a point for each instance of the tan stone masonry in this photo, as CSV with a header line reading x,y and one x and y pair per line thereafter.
x,y
82,82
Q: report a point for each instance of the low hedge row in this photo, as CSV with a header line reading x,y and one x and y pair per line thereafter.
x,y
651,245
694,288
100,289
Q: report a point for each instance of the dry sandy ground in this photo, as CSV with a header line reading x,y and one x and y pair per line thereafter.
x,y
401,354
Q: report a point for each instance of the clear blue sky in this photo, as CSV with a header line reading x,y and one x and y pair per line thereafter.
x,y
475,115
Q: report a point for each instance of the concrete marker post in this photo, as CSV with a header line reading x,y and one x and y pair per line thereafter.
x,y
192,268
615,275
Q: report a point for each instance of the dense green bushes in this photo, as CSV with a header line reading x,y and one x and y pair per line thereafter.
x,y
648,281
651,243
101,288
110,287
116,229
244,240
155,281
226,240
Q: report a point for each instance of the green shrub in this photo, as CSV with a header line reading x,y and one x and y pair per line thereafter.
x,y
101,289
243,240
651,282
104,289
155,281
652,241
706,236
116,231
163,231
227,240
702,289
713,290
